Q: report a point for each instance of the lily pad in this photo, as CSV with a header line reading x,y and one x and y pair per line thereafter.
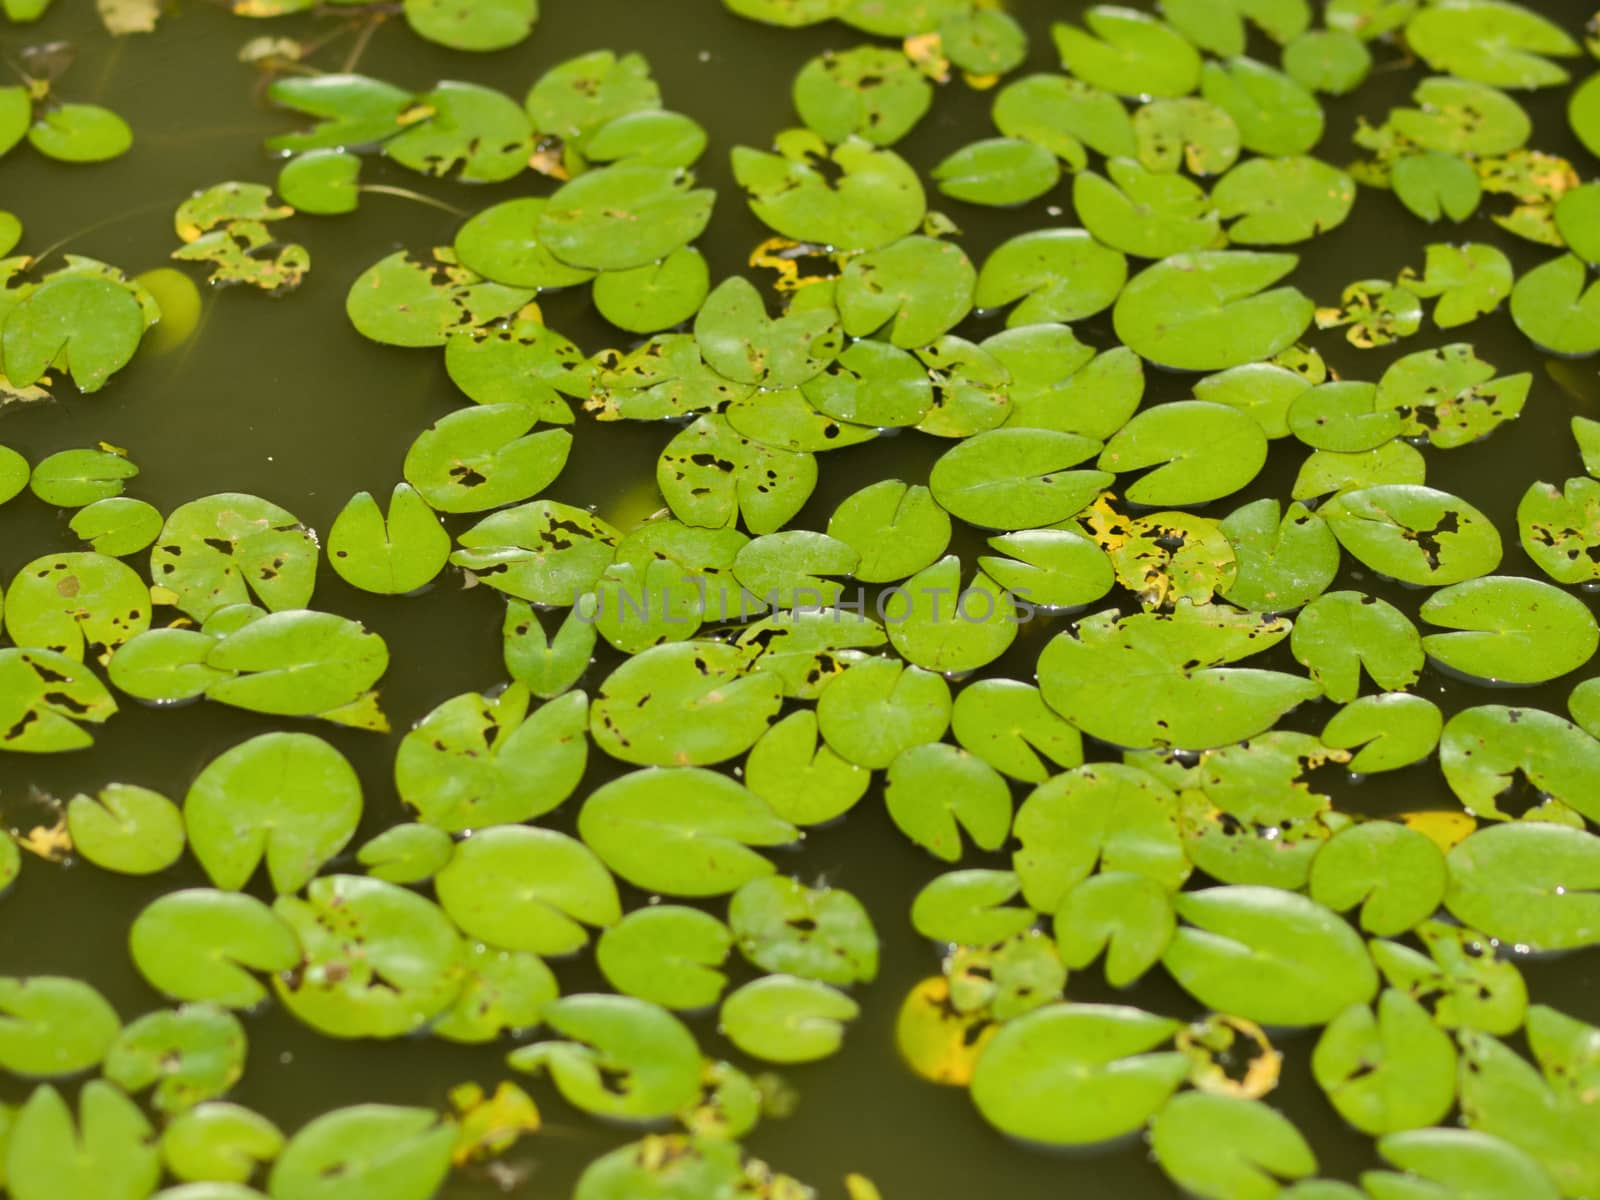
x,y
1058,274
383,1149
1516,630
1529,884
785,1019
1206,311
1487,41
1077,1074
1129,53
667,954
1415,534
641,823
126,828
1228,1146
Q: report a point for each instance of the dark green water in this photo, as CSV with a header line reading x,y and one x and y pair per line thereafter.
x,y
283,399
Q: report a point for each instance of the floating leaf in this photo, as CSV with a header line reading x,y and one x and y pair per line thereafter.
x,y
473,24
44,697
231,549
1456,1163
1128,916
89,325
1490,42
1529,884
1516,630
1434,184
667,954
117,525
785,1019
125,828
877,198
287,797
1393,730
935,790
527,889
196,945
869,92
628,1059
1554,304
379,960
1227,1146
821,933
1268,955
80,133
48,1158
1058,274
1143,212
641,824
1206,311
190,1054
1077,1074
1129,53
1414,534
53,1026
878,708
1484,749
1276,201
1275,115
381,1149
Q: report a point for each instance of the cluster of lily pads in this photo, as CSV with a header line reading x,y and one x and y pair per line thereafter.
x,y
1146,805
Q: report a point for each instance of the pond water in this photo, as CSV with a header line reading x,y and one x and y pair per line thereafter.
x,y
280,397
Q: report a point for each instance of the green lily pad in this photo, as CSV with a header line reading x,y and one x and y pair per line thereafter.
x,y
77,478
1143,212
502,243
662,139
1275,115
1389,1069
895,528
710,475
49,1157
287,797
14,474
640,824
80,133
1490,42
473,24
821,933
1207,311
1436,183
231,549
869,92
1387,732
667,954
1101,816
1516,630
380,1149
1077,1074
785,1019
475,761
1394,873
390,555
541,551
1555,305
117,525
1332,61
45,698
1127,916
379,960
521,888
983,42
1529,884
935,790
217,1144
628,1059
1583,112
1415,534
1268,955
1064,116
741,342
80,605
300,663
803,782
1058,274
323,182
878,708
1468,280
1007,724
484,457
1329,471
403,301
189,1055
201,944
999,172
1282,563
90,325
575,98
53,1026
1277,201
1483,749
1190,133
406,853
639,713
1016,478
969,908
921,285
1339,633
1129,53
473,132
1459,979
352,111
1200,452
1228,1146
655,296
126,828
1172,685
877,198
519,362
545,665
503,991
